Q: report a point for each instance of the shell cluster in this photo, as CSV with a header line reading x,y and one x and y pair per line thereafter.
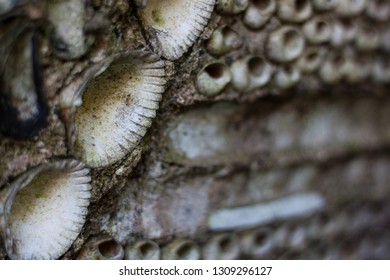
x,y
95,73
281,241
328,41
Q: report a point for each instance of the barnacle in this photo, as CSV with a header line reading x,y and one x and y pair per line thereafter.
x,y
181,249
177,23
118,107
44,209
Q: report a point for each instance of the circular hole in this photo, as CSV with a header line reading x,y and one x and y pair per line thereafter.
x,y
225,243
184,250
256,66
260,238
261,4
291,39
146,249
215,70
338,60
300,5
109,249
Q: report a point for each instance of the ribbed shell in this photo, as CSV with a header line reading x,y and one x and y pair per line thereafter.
x,y
44,210
177,23
118,108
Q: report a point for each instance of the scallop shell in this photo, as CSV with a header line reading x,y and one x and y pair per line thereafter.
x,y
23,108
118,108
177,23
43,210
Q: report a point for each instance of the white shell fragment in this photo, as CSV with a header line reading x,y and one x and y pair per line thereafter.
x,y
176,23
43,211
293,206
118,108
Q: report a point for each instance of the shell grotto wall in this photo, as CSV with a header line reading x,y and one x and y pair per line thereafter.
x,y
199,129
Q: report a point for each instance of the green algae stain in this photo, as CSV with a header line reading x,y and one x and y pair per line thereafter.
x,y
157,18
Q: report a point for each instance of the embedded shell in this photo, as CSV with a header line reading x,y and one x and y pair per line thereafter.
x,y
43,210
118,108
176,23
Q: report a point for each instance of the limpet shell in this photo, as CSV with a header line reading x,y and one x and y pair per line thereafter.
x,y
176,23
43,210
118,108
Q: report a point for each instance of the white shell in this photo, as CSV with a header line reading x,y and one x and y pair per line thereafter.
x,y
250,73
285,44
44,210
142,250
118,108
213,78
181,249
295,10
224,246
177,23
259,13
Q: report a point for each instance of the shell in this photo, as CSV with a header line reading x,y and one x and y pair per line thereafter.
x,y
285,44
231,7
213,78
44,210
324,5
350,8
66,28
101,248
176,23
142,250
181,249
259,13
224,246
334,68
118,108
343,32
317,30
311,59
378,10
367,39
295,10
286,76
257,243
23,105
222,41
250,73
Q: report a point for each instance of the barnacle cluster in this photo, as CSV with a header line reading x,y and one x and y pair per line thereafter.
x,y
93,168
